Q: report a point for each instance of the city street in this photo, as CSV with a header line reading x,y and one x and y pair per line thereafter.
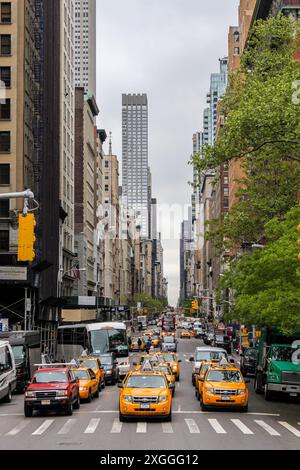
x,y
267,425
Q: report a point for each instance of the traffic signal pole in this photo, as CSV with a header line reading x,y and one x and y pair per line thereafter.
x,y
26,195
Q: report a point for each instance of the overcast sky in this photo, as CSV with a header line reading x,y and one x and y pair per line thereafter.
x,y
167,49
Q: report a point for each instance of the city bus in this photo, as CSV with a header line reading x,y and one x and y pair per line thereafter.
x,y
94,339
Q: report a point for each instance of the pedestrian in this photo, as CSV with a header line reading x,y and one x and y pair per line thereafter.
x,y
139,343
148,345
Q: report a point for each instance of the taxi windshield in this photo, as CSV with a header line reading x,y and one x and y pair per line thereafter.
x,y
209,355
164,369
169,358
82,374
89,363
224,376
50,377
146,381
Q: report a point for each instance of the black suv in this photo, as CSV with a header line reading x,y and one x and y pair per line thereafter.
x,y
110,366
248,361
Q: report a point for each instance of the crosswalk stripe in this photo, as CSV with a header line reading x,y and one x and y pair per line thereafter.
x,y
217,426
116,427
267,427
18,428
67,426
43,428
141,428
242,427
167,428
290,428
92,426
193,428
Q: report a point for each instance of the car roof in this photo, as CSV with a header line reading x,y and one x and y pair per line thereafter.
x,y
52,369
208,348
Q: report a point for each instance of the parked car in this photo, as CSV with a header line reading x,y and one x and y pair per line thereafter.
x,y
110,365
248,361
52,388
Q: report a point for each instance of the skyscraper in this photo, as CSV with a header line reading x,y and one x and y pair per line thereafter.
x,y
85,45
218,85
135,157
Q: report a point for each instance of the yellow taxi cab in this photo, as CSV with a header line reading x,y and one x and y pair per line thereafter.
x,y
145,393
224,386
198,382
166,369
88,383
185,334
156,341
174,362
94,363
134,346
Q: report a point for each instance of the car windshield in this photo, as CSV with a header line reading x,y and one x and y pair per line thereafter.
x,y
93,364
283,353
106,360
146,381
224,376
169,358
209,355
50,377
81,374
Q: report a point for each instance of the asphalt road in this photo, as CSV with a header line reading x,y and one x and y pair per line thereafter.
x,y
267,425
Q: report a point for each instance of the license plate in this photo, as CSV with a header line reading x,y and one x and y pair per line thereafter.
x,y
293,394
145,407
226,398
46,402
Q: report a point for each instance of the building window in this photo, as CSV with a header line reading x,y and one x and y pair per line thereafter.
x,y
4,241
4,174
5,109
237,51
5,44
6,12
5,76
4,142
4,209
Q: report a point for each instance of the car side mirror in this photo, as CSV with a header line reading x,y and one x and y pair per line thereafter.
x,y
171,386
191,359
179,360
120,385
231,361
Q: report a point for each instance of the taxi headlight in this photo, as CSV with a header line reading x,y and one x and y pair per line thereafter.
x,y
241,392
174,367
162,399
128,399
210,390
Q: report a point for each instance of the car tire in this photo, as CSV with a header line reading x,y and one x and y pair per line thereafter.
x,y
268,395
77,403
177,379
8,397
69,409
90,397
197,394
28,411
121,418
193,381
169,417
173,393
202,406
244,409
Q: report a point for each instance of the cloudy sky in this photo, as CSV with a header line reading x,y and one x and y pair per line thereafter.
x,y
167,49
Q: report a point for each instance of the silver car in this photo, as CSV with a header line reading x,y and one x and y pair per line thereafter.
x,y
169,343
206,353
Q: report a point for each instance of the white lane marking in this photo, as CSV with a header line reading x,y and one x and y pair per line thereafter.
x,y
116,427
217,426
141,428
267,427
43,428
290,428
92,426
241,426
179,408
18,428
67,426
193,428
167,428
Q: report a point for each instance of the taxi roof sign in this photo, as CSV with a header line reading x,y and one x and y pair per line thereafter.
x,y
147,366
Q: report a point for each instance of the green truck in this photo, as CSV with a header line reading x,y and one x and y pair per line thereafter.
x,y
278,364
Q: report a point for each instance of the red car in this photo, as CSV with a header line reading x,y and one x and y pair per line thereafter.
x,y
52,388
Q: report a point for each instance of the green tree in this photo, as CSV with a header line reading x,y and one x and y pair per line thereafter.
x,y
266,283
148,302
262,130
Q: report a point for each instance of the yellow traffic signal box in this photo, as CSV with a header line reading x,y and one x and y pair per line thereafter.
x,y
27,238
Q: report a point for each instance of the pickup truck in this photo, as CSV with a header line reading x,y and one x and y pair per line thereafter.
x,y
278,364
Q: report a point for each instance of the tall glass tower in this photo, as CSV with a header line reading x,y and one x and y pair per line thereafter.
x,y
135,157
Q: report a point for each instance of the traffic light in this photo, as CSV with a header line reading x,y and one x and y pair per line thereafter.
x,y
195,305
27,238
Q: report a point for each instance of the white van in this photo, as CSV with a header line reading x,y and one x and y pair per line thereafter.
x,y
7,372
